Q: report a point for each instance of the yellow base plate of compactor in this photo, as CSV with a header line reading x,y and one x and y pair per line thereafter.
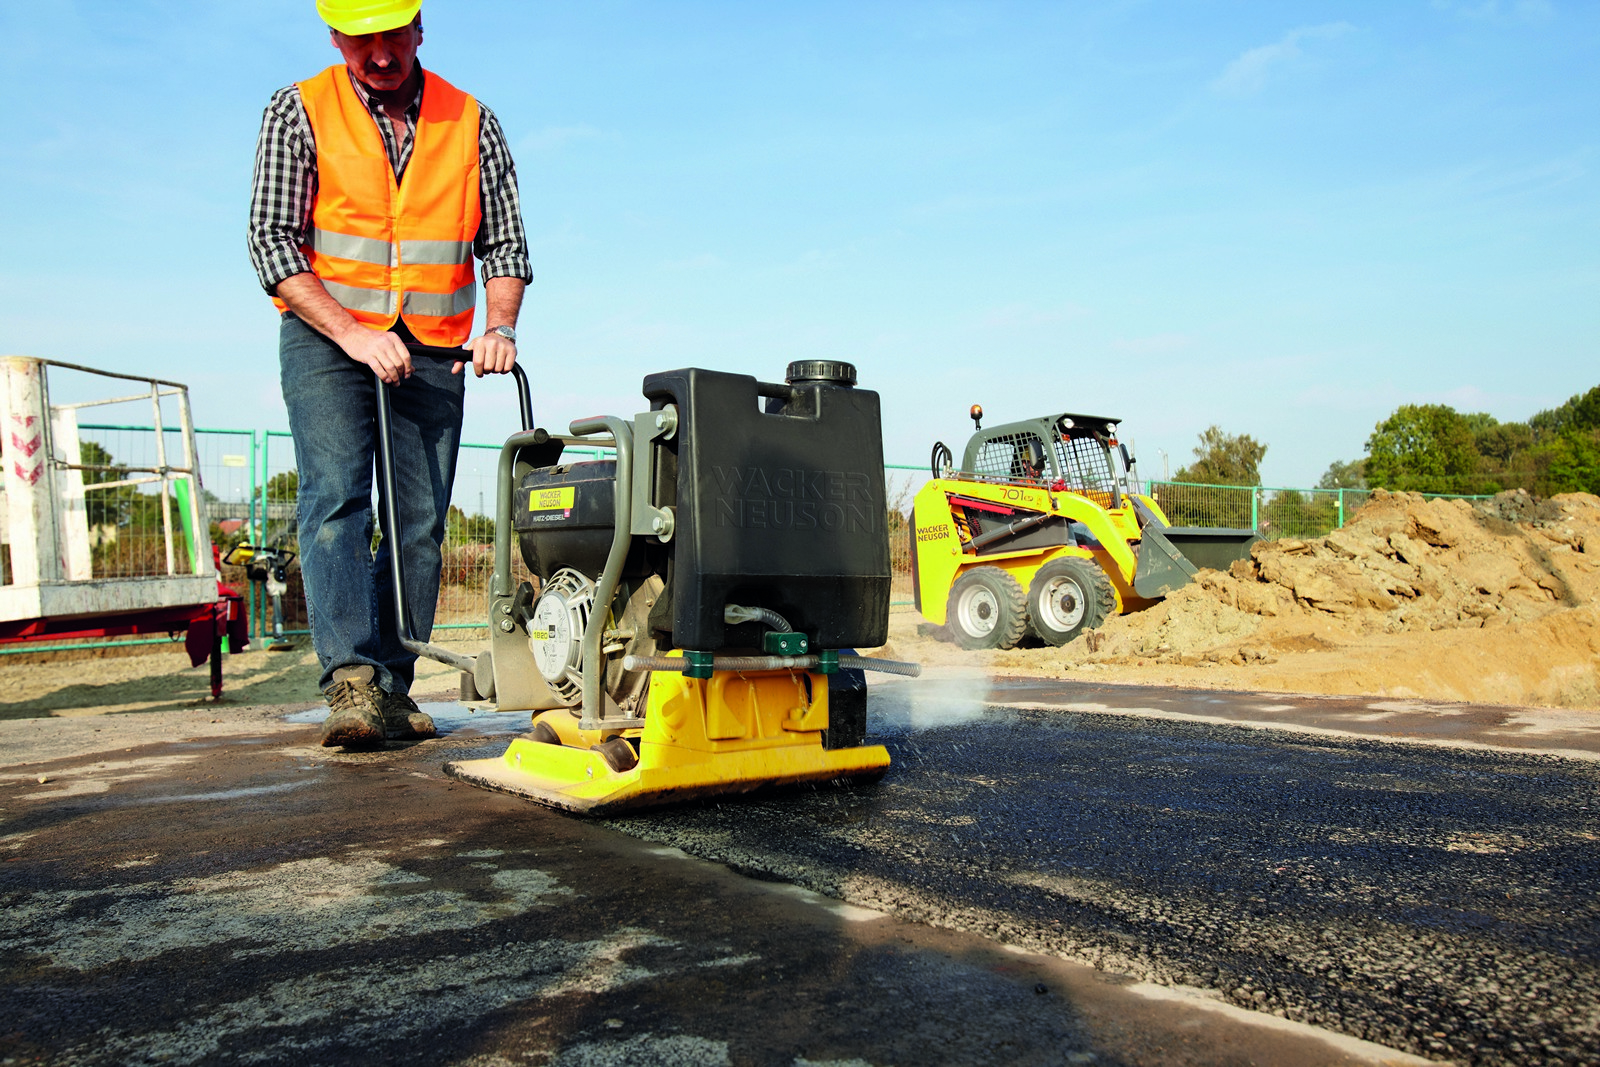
x,y
731,733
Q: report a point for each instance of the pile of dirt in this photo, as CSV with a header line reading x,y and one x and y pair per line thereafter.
x,y
1437,598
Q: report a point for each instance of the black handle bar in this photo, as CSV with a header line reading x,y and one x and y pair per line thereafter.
x,y
524,401
386,472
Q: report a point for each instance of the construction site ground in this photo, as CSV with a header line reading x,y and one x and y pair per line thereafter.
x,y
1341,805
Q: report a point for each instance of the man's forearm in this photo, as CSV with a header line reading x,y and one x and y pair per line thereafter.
x,y
381,350
502,300
311,303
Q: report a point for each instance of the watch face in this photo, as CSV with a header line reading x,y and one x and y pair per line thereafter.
x,y
505,331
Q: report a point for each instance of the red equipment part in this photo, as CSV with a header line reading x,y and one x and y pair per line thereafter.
x,y
204,627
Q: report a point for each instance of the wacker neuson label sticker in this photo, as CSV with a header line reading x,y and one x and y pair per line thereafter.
x,y
552,499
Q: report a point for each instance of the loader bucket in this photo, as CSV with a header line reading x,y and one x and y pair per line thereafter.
x,y
1170,556
1211,546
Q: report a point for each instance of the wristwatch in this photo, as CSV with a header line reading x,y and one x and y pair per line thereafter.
x,y
507,332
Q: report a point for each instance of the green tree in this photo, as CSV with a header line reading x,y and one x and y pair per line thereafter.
x,y
1224,459
461,528
1501,443
123,506
1342,475
1568,463
1221,459
1564,456
1579,413
1427,448
283,486
1290,513
104,507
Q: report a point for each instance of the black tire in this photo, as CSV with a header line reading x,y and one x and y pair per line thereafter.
x,y
986,609
1067,597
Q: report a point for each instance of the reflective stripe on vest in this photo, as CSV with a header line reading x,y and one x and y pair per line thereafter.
x,y
388,250
440,304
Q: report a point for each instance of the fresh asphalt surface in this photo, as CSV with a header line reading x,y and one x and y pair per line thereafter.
x,y
213,887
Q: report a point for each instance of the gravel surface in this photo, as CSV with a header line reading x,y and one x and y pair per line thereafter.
x,y
1435,900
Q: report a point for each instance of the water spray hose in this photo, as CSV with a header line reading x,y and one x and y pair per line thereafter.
x,y
734,614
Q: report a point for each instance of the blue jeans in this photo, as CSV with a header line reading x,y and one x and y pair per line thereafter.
x,y
333,416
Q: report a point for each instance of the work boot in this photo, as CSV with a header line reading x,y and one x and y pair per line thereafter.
x,y
404,721
355,712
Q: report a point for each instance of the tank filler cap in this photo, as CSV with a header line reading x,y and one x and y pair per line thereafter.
x,y
824,371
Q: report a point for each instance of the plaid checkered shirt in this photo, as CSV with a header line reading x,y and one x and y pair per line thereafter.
x,y
285,185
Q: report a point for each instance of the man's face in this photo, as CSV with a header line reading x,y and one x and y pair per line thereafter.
x,y
381,61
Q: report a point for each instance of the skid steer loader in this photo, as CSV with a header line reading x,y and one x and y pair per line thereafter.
x,y
1044,531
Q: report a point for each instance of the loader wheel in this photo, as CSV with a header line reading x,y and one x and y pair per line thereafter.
x,y
1067,597
987,609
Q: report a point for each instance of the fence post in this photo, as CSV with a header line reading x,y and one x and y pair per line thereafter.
x,y
252,518
1341,507
29,473
1255,509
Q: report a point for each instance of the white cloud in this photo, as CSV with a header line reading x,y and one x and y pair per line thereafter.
x,y
1248,74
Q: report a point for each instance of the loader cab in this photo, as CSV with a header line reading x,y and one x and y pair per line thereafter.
x,y
1065,452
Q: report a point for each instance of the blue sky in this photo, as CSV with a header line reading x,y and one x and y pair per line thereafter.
x,y
1285,219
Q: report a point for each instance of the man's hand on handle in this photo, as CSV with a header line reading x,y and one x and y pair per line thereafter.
x,y
381,350
491,354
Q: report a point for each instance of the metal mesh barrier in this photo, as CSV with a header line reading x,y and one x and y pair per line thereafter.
x,y
1205,505
126,536
1003,458
1086,468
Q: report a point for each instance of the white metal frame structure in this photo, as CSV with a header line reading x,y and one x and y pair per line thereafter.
x,y
42,508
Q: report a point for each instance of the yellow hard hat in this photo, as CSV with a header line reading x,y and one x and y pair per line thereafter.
x,y
355,17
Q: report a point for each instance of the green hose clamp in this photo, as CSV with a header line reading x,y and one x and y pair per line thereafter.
x,y
775,643
699,664
828,661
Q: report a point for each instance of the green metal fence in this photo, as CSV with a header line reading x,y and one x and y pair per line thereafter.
x,y
249,481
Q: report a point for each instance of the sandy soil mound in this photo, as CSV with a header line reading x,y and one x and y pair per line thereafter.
x,y
1414,597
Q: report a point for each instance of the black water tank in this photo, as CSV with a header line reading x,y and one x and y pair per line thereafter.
x,y
780,503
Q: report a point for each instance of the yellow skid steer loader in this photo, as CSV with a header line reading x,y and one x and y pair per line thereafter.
x,y
1044,531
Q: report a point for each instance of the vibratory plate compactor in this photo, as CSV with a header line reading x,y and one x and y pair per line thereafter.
x,y
700,596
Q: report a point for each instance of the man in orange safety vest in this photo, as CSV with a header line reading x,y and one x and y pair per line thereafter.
x,y
376,185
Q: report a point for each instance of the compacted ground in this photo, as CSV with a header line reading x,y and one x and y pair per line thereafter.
x,y
211,886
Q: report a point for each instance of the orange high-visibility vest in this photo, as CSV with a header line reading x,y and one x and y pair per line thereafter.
x,y
385,249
